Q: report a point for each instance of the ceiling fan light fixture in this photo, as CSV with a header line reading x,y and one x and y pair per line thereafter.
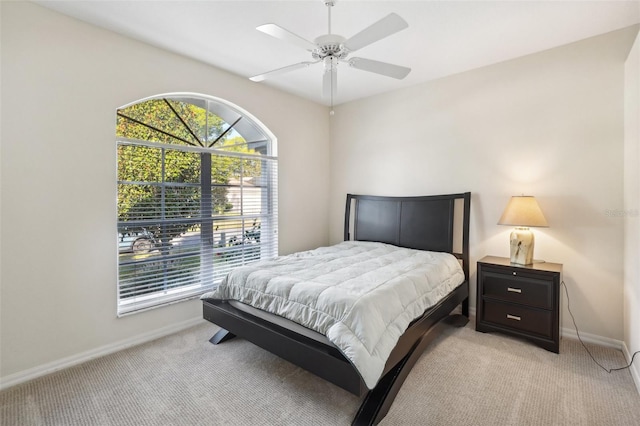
x,y
329,62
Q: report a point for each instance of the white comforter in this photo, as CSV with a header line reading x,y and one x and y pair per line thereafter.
x,y
361,295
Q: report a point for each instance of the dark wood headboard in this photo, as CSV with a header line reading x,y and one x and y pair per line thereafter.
x,y
423,223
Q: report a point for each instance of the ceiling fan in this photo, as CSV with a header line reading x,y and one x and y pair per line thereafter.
x,y
331,49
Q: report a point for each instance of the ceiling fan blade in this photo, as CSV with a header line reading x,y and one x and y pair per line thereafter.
x,y
383,68
278,32
388,25
269,74
330,82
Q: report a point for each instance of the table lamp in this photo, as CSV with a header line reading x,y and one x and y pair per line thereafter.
x,y
522,212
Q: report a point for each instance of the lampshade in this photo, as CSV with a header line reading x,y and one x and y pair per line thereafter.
x,y
523,210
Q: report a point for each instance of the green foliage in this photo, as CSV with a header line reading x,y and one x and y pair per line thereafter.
x,y
143,181
201,127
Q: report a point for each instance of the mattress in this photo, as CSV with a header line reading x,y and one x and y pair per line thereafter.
x,y
360,295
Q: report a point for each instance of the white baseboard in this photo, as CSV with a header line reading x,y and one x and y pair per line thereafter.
x,y
635,367
42,370
570,333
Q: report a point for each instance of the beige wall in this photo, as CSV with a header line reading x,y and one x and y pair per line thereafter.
x,y
62,81
632,206
548,124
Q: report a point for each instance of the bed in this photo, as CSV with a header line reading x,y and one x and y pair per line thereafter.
x,y
438,223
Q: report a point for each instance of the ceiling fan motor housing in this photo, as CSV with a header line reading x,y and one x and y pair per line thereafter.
x,y
330,45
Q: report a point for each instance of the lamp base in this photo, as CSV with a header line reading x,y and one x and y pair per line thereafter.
x,y
522,242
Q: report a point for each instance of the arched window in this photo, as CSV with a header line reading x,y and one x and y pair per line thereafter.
x,y
197,197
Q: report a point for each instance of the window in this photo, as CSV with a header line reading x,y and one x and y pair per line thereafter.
x,y
197,197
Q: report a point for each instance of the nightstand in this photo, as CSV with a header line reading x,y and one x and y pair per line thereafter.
x,y
522,301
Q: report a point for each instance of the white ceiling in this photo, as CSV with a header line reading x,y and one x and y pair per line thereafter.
x,y
443,38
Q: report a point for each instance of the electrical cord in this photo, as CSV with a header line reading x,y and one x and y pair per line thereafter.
x,y
608,370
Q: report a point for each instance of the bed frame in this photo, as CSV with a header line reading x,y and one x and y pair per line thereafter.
x,y
426,223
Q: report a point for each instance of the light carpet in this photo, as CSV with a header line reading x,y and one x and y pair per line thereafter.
x,y
464,378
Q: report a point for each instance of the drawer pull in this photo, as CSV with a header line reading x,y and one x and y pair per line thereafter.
x,y
513,317
514,290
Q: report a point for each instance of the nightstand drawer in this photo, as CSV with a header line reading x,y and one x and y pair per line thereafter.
x,y
518,317
518,289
